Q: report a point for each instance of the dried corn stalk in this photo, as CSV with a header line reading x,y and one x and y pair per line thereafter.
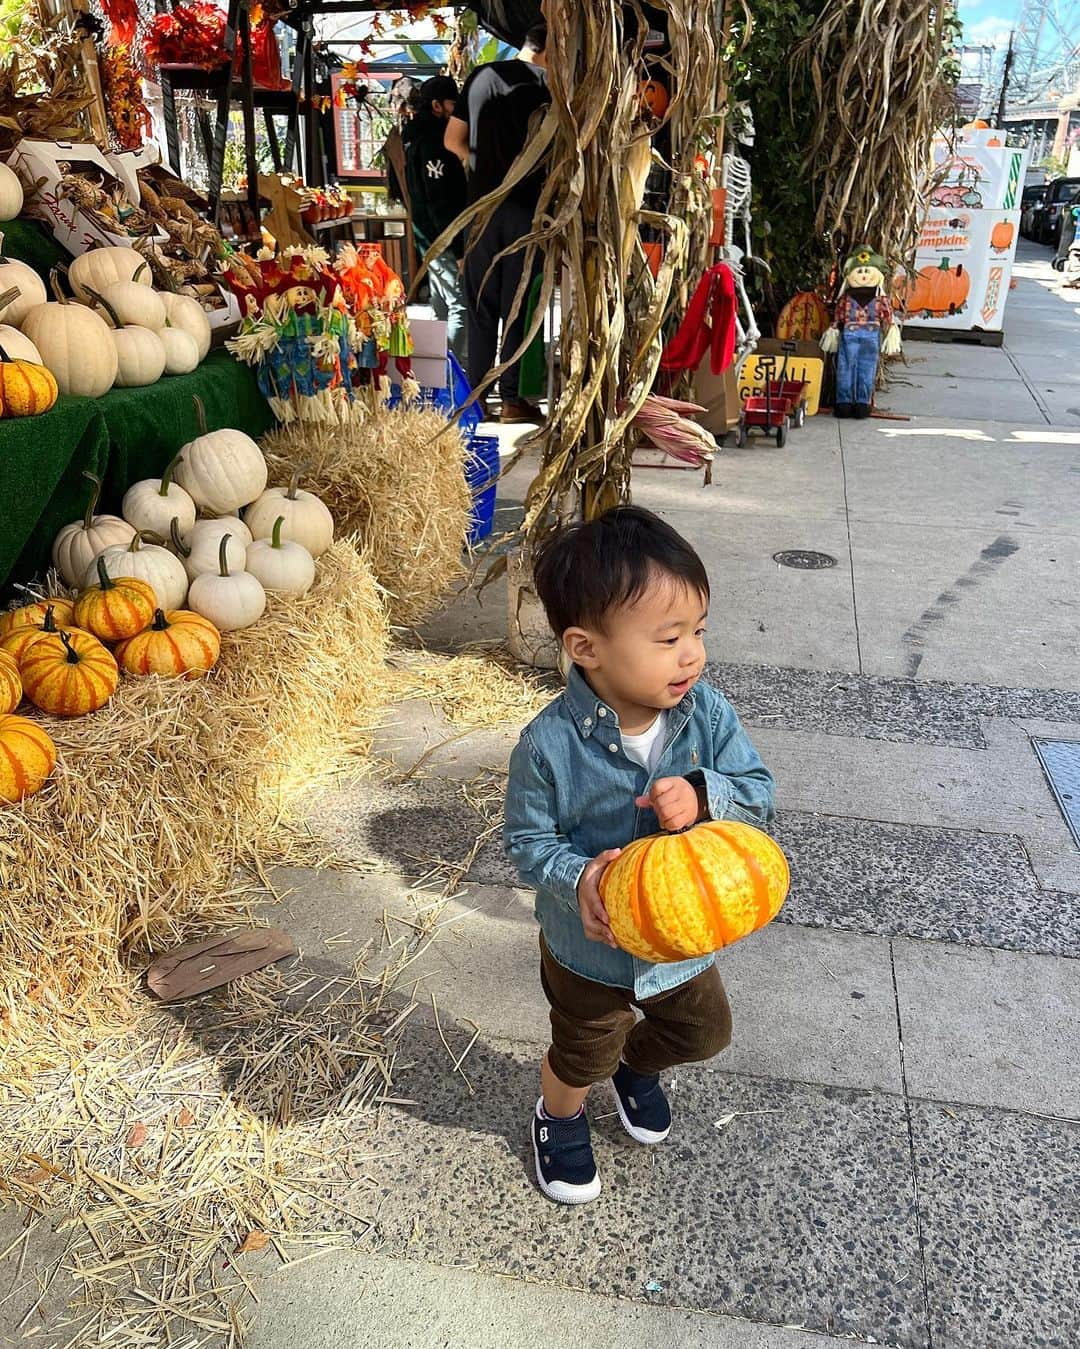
x,y
876,70
596,154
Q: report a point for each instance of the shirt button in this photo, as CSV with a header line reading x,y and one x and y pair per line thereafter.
x,y
613,748
602,712
588,721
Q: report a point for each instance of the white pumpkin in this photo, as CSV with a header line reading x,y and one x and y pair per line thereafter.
x,y
307,520
152,504
149,562
135,304
77,544
284,568
198,549
140,357
101,267
11,193
229,599
221,470
18,346
31,288
75,344
181,351
181,311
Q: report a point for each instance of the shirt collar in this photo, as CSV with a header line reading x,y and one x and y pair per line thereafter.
x,y
590,712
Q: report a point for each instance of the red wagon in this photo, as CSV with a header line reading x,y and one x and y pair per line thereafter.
x,y
767,414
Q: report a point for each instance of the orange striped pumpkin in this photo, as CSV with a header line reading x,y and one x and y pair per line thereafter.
x,y
68,673
33,615
176,643
117,607
25,388
20,638
674,896
10,684
27,757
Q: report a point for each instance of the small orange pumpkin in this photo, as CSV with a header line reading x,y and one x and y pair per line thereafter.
x,y
25,387
27,757
1001,236
655,98
176,643
674,896
19,639
117,607
10,684
68,673
33,615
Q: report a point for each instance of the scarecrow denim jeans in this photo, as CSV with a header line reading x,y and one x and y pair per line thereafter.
x,y
856,365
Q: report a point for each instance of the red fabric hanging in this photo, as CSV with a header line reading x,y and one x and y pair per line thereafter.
x,y
709,324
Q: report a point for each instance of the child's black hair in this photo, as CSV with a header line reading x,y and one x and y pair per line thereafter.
x,y
585,571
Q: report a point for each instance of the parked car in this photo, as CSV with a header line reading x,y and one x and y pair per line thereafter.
x,y
1048,223
1032,203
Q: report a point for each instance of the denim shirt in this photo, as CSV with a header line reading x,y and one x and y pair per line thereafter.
x,y
571,796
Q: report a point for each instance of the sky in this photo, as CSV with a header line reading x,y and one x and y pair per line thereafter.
x,y
988,20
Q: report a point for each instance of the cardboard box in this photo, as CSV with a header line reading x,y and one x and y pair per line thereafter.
x,y
41,162
981,174
966,240
429,354
127,163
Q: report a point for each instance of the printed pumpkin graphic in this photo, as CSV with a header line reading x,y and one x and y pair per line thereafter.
x,y
1001,236
940,291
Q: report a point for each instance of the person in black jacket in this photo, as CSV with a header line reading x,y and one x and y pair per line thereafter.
x,y
436,183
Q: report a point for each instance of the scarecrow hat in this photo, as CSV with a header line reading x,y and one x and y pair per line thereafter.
x,y
864,256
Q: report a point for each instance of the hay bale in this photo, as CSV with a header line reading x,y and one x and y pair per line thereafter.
x,y
398,480
159,796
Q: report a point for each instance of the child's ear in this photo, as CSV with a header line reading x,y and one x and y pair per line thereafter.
x,y
580,648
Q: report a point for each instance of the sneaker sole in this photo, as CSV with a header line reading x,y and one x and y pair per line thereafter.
x,y
639,1135
559,1190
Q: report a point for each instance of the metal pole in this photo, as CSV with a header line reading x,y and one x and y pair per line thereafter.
x,y
999,121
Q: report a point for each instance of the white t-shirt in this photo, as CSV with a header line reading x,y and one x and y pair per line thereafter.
x,y
647,747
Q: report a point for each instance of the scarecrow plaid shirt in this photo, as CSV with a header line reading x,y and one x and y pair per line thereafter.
x,y
856,317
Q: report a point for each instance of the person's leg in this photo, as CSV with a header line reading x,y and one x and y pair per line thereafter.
x,y
689,1024
437,286
483,305
589,1026
515,223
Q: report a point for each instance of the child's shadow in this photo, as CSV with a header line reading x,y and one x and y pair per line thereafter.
x,y
301,1044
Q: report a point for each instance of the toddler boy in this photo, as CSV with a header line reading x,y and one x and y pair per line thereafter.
x,y
637,743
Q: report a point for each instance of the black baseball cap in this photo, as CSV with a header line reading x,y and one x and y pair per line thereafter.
x,y
438,88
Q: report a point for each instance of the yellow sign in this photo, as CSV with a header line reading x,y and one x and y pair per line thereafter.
x,y
807,368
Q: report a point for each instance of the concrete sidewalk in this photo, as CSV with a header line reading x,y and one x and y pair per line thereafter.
x,y
890,1150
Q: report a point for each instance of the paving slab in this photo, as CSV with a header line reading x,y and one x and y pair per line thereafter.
x,y
810,1006
999,1196
925,482
958,885
990,1027
916,394
952,360
799,1210
406,1304
956,604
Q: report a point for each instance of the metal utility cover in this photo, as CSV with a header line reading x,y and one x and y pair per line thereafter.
x,y
804,559
1061,764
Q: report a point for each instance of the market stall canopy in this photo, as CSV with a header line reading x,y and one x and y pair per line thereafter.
x,y
509,20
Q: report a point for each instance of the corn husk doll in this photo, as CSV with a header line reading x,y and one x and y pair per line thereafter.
x,y
864,330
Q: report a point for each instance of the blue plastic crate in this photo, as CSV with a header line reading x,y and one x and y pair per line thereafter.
x,y
482,468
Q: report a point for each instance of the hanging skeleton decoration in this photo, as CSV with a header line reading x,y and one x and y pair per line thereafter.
x,y
735,179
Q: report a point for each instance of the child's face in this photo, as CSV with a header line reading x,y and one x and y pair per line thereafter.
x,y
651,652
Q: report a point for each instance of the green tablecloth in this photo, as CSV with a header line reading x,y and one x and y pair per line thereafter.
x,y
30,242
127,435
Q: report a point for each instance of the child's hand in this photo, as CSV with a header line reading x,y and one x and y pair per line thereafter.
x,y
594,917
675,802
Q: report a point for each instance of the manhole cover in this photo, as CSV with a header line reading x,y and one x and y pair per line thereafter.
x,y
804,559
1061,764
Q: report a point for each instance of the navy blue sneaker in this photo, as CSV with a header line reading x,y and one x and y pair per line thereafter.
x,y
643,1107
565,1169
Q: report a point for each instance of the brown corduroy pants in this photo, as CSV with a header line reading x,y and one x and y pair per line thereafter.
x,y
593,1025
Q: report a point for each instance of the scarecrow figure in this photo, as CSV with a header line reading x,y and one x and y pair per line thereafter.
x,y
863,331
